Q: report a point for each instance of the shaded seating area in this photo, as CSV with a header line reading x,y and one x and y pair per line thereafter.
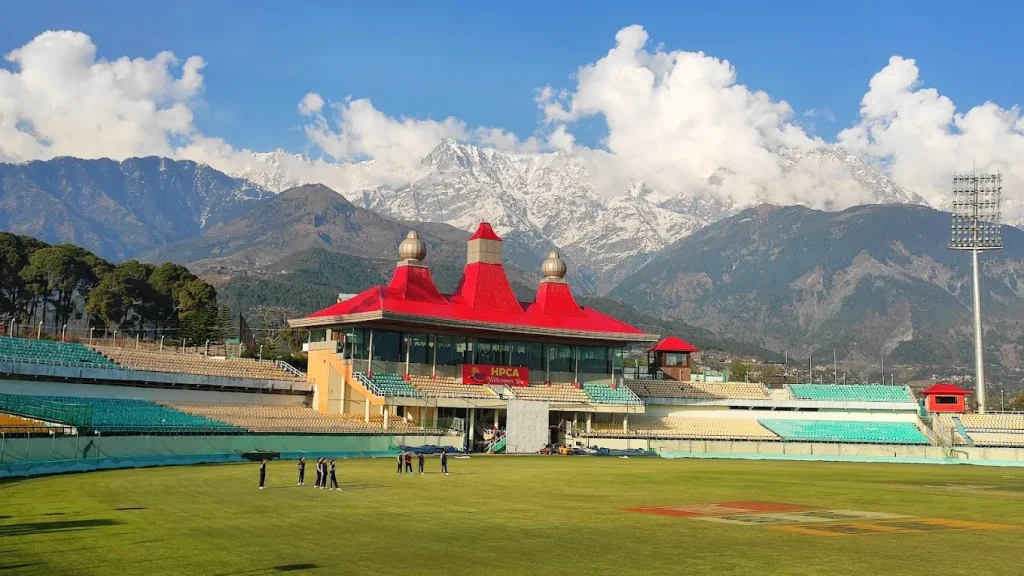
x,y
10,424
684,428
855,431
852,392
991,429
602,394
447,387
698,390
267,419
197,364
49,352
556,392
139,416
387,384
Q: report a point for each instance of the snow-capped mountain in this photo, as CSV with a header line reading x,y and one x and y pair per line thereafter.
x,y
548,197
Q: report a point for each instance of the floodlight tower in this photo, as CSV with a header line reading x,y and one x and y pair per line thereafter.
x,y
976,228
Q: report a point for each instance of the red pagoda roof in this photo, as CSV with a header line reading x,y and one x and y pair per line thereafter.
x,y
483,300
672,344
946,388
485,232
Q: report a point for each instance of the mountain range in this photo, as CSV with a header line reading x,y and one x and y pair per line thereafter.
x,y
549,197
867,280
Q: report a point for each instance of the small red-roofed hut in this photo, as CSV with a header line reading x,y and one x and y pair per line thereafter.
x,y
672,357
946,397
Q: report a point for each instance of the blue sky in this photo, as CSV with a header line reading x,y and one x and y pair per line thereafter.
x,y
481,62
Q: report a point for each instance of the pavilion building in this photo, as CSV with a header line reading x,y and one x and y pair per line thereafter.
x,y
406,350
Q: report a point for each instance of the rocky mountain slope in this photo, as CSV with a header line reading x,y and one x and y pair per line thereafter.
x,y
550,197
867,281
265,240
118,209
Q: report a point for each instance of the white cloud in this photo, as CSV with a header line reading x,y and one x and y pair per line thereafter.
x,y
59,99
679,120
921,139
311,104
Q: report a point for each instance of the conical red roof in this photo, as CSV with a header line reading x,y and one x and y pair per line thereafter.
x,y
673,345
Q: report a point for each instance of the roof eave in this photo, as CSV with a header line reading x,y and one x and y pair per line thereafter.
x,y
325,321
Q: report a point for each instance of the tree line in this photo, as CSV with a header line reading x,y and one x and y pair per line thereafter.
x,y
59,284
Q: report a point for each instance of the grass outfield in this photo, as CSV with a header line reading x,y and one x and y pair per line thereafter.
x,y
503,515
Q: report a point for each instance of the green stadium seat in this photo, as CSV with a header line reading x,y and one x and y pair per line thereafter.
x,y
602,394
53,353
388,384
851,392
843,431
139,416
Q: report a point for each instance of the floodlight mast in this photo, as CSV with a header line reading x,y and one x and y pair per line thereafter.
x,y
976,227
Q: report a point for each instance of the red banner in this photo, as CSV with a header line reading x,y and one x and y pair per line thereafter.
x,y
495,375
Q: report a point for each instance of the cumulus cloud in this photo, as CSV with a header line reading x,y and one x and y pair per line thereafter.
x,y
59,99
921,140
681,121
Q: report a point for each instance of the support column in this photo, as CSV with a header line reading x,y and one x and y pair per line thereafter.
x,y
496,421
408,346
589,418
979,351
433,363
471,427
625,423
366,410
386,415
369,353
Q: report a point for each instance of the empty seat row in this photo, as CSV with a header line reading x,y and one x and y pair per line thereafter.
x,y
684,427
698,390
602,394
993,422
282,419
852,392
388,384
198,364
49,352
127,415
556,392
449,388
856,431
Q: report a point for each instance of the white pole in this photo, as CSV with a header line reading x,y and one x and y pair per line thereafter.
x,y
136,340
161,343
835,367
979,356
261,351
39,331
91,330
63,331
183,342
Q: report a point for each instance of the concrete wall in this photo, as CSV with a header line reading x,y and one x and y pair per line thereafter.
x,y
35,388
27,457
723,412
141,376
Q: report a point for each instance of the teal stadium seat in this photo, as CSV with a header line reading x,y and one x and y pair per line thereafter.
x,y
139,416
845,431
49,352
851,392
602,394
389,384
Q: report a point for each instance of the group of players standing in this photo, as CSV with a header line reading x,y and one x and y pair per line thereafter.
x,y
326,472
406,458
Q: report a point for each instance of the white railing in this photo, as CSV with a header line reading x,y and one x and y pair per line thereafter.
x,y
290,369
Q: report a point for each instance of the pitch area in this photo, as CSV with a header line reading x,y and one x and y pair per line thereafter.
x,y
521,515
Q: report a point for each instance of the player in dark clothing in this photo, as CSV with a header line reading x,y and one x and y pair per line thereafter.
x,y
408,462
263,473
302,471
334,477
318,473
323,473
401,456
444,462
419,461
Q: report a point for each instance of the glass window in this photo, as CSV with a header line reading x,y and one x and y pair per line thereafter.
x,y
594,360
451,350
418,349
945,399
387,346
560,358
529,354
491,352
